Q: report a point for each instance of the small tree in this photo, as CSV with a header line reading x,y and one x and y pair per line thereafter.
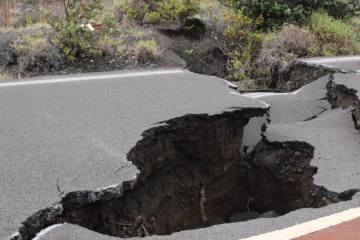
x,y
72,36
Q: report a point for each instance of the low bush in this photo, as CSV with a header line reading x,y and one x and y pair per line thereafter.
x,y
134,10
110,45
146,51
296,40
109,25
277,12
35,54
72,36
177,10
355,24
153,18
4,75
335,36
242,42
154,12
278,49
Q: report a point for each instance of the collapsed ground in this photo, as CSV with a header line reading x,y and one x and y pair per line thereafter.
x,y
198,171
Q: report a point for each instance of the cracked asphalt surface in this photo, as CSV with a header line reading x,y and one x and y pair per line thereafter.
x,y
67,136
347,63
84,129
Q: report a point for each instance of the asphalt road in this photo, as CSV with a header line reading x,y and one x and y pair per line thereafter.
x,y
73,133
350,63
52,132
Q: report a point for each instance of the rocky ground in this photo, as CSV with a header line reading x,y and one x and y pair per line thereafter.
x,y
188,46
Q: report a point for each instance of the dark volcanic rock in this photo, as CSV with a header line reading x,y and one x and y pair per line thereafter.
x,y
340,94
205,57
192,28
40,220
356,116
7,54
298,73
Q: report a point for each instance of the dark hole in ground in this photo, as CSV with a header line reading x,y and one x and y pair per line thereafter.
x,y
193,175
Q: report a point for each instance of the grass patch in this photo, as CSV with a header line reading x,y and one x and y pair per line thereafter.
x,y
161,11
335,36
35,53
146,50
4,75
110,45
32,27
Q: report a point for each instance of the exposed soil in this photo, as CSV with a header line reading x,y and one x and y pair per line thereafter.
x,y
187,46
297,74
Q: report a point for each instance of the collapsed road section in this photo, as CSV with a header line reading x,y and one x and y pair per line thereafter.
x,y
192,175
73,133
195,172
343,92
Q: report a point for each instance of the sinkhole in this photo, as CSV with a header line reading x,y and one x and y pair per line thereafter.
x,y
193,174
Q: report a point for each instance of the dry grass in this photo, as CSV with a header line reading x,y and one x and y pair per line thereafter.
x,y
29,43
296,40
5,75
146,51
33,27
35,53
111,46
336,37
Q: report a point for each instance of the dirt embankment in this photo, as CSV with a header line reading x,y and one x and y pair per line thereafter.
x,y
187,45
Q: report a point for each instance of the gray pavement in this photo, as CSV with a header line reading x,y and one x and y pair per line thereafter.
x,y
349,63
351,81
61,130
73,133
306,116
300,105
337,147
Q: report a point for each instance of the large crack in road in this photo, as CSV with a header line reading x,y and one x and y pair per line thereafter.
x,y
200,170
342,96
193,175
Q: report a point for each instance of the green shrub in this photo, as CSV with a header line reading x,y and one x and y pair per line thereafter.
x,y
273,12
29,21
109,25
134,10
110,45
335,36
188,8
177,10
355,24
72,36
153,18
241,41
153,12
277,12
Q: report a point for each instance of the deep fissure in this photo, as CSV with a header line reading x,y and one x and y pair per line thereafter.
x,y
193,175
340,96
